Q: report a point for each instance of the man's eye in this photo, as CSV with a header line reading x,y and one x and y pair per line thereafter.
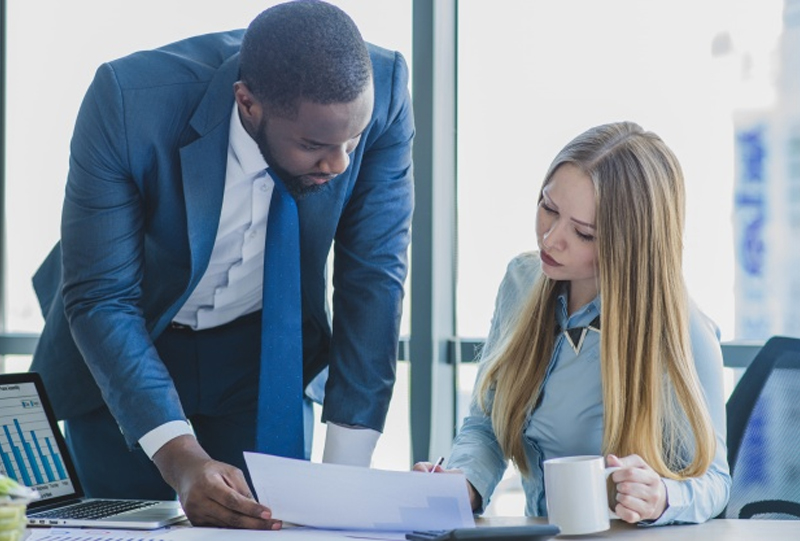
x,y
310,147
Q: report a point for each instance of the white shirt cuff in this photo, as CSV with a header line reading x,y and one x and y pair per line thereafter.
x,y
349,445
160,435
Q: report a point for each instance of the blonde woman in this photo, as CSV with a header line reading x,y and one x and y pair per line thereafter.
x,y
595,347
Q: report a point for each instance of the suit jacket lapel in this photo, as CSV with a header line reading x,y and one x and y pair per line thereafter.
x,y
203,166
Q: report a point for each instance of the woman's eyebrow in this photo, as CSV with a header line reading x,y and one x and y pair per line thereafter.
x,y
585,224
552,203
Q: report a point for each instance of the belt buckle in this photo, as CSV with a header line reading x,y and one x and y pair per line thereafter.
x,y
179,326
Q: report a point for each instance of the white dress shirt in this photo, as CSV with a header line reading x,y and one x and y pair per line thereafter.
x,y
232,284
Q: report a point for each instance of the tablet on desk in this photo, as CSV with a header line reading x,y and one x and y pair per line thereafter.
x,y
532,532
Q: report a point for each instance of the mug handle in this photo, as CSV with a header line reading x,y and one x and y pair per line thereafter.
x,y
609,471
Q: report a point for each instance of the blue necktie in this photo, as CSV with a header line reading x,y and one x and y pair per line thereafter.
x,y
279,428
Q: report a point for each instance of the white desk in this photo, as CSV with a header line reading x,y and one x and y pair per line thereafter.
x,y
713,530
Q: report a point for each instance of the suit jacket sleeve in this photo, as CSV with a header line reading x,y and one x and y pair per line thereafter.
x,y
103,259
370,261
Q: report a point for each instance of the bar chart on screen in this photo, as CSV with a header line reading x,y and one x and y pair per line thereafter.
x,y
28,450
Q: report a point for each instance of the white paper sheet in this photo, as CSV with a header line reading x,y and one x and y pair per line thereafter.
x,y
287,534
85,534
351,498
182,533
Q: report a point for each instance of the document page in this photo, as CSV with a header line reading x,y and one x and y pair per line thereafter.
x,y
332,496
81,534
182,533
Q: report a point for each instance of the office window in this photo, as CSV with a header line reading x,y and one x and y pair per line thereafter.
x,y
54,48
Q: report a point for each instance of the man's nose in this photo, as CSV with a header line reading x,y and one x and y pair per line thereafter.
x,y
335,162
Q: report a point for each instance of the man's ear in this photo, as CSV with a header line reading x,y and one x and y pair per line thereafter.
x,y
250,109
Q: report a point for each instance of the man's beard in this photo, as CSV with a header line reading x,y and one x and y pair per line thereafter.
x,y
294,184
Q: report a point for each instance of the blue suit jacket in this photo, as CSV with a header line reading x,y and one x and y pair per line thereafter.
x,y
141,209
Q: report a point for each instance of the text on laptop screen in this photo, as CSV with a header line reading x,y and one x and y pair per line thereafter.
x,y
28,450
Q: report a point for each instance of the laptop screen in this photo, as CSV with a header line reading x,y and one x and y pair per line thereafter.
x,y
32,449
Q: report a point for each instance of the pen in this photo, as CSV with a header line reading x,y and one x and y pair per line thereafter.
x,y
439,462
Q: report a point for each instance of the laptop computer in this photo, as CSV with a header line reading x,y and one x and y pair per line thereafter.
x,y
33,452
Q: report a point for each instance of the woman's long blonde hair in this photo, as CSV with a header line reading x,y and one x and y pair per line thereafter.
x,y
653,403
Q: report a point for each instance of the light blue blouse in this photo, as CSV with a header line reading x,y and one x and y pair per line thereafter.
x,y
569,417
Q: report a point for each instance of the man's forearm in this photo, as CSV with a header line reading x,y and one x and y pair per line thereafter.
x,y
176,455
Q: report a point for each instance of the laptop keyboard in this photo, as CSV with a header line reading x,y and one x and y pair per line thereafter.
x,y
95,509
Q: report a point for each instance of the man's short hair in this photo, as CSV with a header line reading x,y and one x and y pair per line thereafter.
x,y
307,50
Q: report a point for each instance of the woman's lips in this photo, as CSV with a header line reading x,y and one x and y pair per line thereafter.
x,y
549,260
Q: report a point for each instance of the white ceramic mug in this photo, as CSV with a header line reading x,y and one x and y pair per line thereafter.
x,y
577,501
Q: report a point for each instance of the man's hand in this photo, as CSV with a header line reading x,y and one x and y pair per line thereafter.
x,y
212,493
641,494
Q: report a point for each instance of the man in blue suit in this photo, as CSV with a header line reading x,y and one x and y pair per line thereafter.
x,y
151,349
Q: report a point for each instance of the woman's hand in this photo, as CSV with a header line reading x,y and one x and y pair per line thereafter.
x,y
641,494
428,467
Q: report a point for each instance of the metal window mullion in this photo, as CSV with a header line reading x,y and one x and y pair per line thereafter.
x,y
433,265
